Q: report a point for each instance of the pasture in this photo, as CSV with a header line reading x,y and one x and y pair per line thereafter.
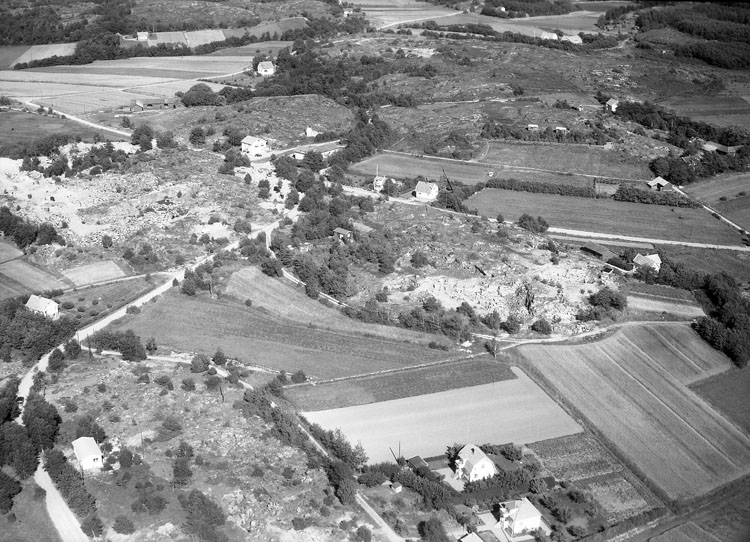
x,y
20,128
728,392
31,277
94,272
648,303
281,298
258,337
607,216
736,264
38,52
10,53
8,251
728,194
586,160
631,387
401,166
571,23
509,411
261,47
400,384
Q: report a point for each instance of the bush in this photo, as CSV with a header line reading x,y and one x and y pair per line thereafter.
x,y
123,525
542,326
188,384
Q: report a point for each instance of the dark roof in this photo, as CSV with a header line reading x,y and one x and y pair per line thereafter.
x,y
599,251
416,462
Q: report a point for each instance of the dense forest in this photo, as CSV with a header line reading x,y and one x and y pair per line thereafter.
x,y
524,8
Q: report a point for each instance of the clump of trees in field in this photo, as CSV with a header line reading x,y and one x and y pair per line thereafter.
x,y
126,342
603,304
597,134
526,8
634,194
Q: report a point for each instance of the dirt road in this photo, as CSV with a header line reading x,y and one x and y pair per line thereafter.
x,y
62,517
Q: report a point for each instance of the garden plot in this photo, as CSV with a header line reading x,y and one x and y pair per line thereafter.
x,y
656,304
510,411
94,272
687,532
640,404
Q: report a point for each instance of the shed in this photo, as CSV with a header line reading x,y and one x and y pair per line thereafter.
x,y
417,462
88,453
471,537
599,251
611,105
311,132
41,305
426,191
254,146
660,184
652,261
532,127
342,234
560,130
397,487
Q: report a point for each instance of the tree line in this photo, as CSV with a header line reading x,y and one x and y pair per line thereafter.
x,y
628,192
596,135
524,8
24,232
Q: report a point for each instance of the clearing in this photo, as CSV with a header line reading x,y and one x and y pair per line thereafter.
x,y
509,411
728,392
607,216
649,303
399,384
644,408
94,272
256,336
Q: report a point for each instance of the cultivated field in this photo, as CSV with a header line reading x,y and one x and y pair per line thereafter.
x,y
280,298
728,393
32,278
582,459
260,47
571,23
255,336
397,385
607,216
736,264
9,54
649,303
93,302
631,387
7,251
94,272
403,166
567,158
735,191
687,532
38,52
719,110
510,411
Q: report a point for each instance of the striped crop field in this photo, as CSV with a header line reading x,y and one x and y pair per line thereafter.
x,y
632,387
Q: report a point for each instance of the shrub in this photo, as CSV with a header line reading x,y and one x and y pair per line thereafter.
x,y
165,382
123,525
542,326
299,377
188,384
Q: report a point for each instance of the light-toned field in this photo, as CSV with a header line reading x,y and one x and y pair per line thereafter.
x,y
31,277
729,186
687,532
511,411
567,158
282,299
397,385
571,23
94,272
256,336
607,216
657,304
8,252
631,386
718,110
38,52
264,47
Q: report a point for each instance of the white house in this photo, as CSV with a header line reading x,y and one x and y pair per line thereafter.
x,y
255,146
561,130
141,36
611,105
266,68
311,132
532,127
548,36
472,464
88,453
659,184
519,517
426,191
42,305
652,260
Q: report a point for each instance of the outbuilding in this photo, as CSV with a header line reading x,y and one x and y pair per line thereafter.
x,y
426,191
611,105
660,184
599,251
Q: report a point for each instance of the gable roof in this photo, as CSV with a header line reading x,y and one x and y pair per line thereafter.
x,y
423,186
417,462
265,65
612,101
604,253
471,537
526,510
252,139
86,447
472,455
652,260
658,181
40,304
341,231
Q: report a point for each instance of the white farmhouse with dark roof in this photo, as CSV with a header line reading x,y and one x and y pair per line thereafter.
x,y
42,305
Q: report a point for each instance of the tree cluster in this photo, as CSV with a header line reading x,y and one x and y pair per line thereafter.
x,y
596,135
539,187
534,225
338,446
27,333
204,517
627,192
24,233
126,342
604,303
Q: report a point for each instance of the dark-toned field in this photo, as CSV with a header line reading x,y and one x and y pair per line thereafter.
x,y
396,385
256,336
729,393
607,216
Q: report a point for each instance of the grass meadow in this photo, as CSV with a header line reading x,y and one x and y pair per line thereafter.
x,y
643,407
19,127
93,272
32,278
728,393
607,216
256,336
728,194
397,385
